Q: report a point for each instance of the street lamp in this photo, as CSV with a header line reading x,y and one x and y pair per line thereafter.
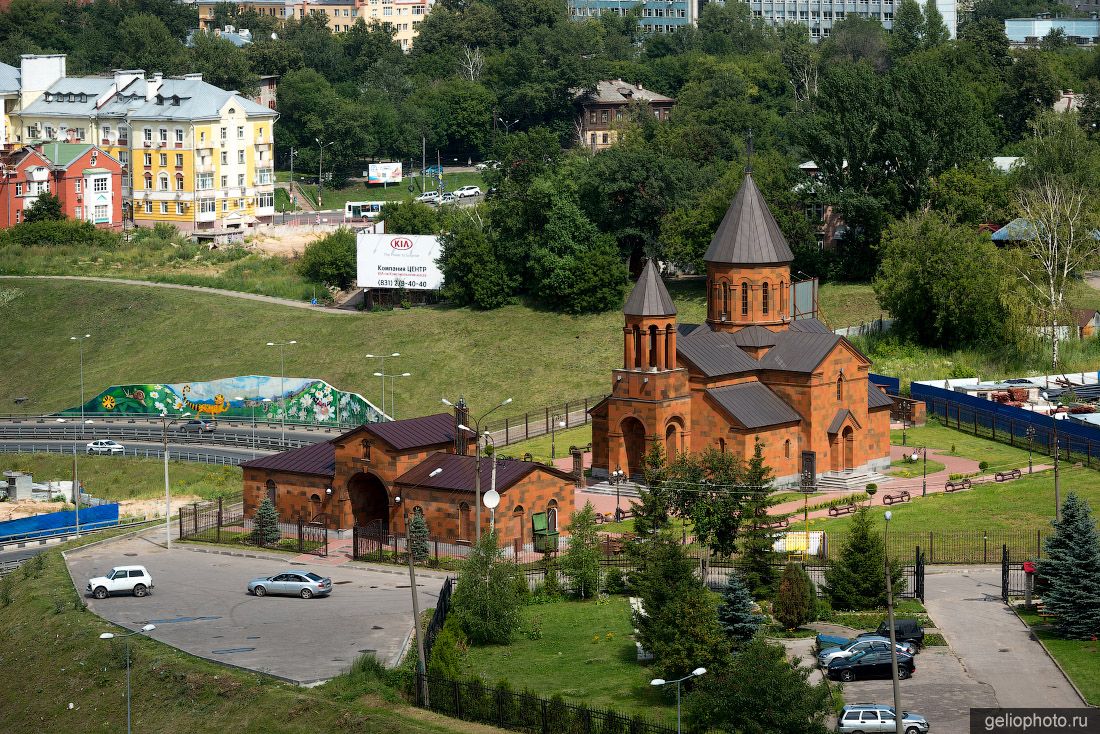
x,y
554,424
661,682
282,384
1030,440
477,459
890,621
906,412
507,125
167,487
491,499
617,477
421,665
383,375
922,452
80,344
111,636
76,478
320,176
382,372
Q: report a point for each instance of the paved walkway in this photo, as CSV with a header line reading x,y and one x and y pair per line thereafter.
x,y
194,288
993,644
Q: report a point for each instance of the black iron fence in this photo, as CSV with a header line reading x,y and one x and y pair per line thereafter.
x,y
472,700
953,546
223,521
540,422
1014,579
439,616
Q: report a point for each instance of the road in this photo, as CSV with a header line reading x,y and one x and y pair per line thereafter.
x,y
203,454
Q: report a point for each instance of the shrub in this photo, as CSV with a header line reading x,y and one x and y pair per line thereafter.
x,y
795,604
983,465
330,260
551,584
63,232
447,650
46,208
613,581
265,527
582,557
487,599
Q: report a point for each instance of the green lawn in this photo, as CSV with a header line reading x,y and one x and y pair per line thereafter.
x,y
910,469
959,443
539,447
1079,658
119,478
848,304
282,201
79,681
336,198
585,654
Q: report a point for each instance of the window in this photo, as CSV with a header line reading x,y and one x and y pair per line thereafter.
x,y
202,136
725,301
79,212
124,158
101,213
552,516
603,115
163,135
225,158
179,182
76,186
179,160
787,449
148,159
465,523
162,182
222,134
240,179
163,159
206,206
271,489
225,181
266,200
147,134
148,207
179,207
164,207
240,132
99,184
148,182
240,156
205,181
225,205
840,387
764,299
179,133
592,117
605,138
19,189
744,299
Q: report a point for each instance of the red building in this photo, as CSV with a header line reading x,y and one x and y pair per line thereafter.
x,y
86,180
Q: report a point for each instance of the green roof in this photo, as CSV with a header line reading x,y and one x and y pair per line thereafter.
x,y
62,154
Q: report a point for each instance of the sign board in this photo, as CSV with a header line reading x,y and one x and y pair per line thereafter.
x,y
813,543
398,261
384,173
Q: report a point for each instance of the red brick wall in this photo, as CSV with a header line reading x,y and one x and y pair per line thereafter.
x,y
292,494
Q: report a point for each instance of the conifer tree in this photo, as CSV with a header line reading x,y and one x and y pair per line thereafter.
x,y
795,603
857,580
736,614
757,541
581,560
265,525
418,537
1072,571
935,30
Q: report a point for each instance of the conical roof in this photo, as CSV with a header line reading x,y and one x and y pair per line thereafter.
x,y
649,297
748,234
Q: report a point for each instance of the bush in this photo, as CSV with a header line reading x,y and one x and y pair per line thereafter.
x,y
63,232
613,581
265,528
447,651
46,208
330,260
796,603
551,584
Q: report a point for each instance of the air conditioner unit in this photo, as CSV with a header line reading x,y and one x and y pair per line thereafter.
x,y
148,144
161,144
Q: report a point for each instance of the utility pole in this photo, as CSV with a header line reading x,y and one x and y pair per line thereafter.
x,y
423,160
890,620
1057,486
293,153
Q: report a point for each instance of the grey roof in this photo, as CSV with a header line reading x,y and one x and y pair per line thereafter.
x,y
649,296
877,398
755,336
748,233
838,421
411,433
616,91
810,325
459,471
799,351
9,79
714,353
753,405
317,459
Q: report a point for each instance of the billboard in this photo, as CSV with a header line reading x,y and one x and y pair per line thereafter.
x,y
397,261
384,173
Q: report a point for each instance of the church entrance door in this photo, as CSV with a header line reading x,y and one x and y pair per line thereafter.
x,y
848,441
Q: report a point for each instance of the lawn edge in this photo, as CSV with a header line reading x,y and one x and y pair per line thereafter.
x,y
1053,659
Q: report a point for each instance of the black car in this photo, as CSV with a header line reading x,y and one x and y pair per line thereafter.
x,y
905,630
870,664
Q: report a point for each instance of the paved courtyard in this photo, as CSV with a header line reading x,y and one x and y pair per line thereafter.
x,y
200,605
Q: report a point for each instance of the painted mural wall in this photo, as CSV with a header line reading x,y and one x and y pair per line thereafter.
x,y
306,400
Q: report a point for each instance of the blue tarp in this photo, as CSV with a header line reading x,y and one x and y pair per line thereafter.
x,y
55,523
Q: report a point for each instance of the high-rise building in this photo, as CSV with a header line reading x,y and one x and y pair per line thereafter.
x,y
820,15
195,155
658,16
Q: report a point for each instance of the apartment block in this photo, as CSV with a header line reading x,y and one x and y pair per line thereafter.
x,y
658,16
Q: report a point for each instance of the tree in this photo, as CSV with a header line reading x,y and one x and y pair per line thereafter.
x,y
330,260
972,195
1031,88
759,691
796,602
473,274
1071,571
222,64
265,524
758,542
409,217
857,580
143,41
907,31
487,599
736,613
581,560
935,32
46,208
949,274
418,537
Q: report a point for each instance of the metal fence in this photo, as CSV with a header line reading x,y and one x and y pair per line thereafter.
x,y
439,616
539,422
197,455
953,546
1014,579
224,521
472,700
153,435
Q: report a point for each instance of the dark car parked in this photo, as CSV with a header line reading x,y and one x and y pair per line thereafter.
x,y
905,630
870,664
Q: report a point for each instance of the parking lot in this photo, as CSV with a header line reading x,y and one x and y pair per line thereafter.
x,y
199,604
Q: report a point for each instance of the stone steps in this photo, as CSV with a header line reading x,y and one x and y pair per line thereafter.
x,y
850,481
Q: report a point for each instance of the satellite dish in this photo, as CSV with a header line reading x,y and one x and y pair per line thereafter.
x,y
112,137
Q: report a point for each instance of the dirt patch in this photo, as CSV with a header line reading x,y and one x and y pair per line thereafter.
x,y
147,508
285,241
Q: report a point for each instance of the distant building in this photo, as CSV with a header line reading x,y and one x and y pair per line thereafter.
x,y
1068,101
658,16
265,95
86,179
239,37
603,111
829,228
9,99
1030,31
820,15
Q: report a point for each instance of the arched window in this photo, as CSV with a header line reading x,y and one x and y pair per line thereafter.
x,y
552,516
710,301
745,299
722,445
782,298
764,299
366,450
840,387
653,347
179,182
465,522
787,449
148,181
637,348
314,506
726,300
271,490
520,519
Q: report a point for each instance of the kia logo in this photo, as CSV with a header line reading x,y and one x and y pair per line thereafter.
x,y
401,243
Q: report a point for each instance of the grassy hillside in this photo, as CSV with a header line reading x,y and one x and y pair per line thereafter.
x,y
142,334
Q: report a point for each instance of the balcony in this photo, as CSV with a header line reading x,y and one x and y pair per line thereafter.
x,y
201,216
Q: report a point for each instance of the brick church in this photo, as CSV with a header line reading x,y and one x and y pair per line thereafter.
x,y
751,371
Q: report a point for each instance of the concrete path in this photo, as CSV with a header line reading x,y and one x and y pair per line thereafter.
x,y
193,288
995,647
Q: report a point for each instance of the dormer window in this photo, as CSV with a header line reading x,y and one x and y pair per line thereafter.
x,y
160,100
47,96
72,97
83,98
175,100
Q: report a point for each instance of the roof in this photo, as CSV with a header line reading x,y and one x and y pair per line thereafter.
x,y
714,353
1017,230
799,351
318,459
811,325
1084,316
458,473
748,233
753,405
877,398
62,154
411,433
838,420
755,336
9,79
616,91
649,296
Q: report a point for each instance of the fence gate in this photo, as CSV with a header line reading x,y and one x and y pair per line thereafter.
x,y
1013,577
369,541
918,575
313,537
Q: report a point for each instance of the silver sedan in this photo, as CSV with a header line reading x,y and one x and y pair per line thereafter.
x,y
305,584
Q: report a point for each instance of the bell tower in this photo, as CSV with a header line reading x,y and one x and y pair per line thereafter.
x,y
748,266
649,336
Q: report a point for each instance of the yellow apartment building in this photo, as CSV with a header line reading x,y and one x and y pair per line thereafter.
x,y
196,156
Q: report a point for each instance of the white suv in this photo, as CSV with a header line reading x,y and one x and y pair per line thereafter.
x,y
105,446
132,579
467,191
428,197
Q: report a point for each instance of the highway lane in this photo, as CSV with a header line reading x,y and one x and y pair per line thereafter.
x,y
201,453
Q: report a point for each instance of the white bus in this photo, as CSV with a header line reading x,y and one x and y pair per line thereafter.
x,y
360,210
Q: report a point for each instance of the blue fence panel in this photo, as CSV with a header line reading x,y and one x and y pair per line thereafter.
x,y
892,384
54,523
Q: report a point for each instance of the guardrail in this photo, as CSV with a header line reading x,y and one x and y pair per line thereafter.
x,y
234,422
7,567
91,433
148,453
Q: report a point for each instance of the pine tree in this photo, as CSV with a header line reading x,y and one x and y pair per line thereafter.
x,y
795,603
757,541
265,525
935,31
652,511
736,614
418,537
1072,571
857,580
487,598
581,560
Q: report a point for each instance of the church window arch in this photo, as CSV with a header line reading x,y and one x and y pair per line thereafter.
x,y
840,387
745,298
653,347
787,449
764,299
725,300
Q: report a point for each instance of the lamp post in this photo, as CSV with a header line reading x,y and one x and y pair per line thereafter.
x,y
76,478
617,477
282,384
661,682
244,400
111,636
293,155
80,344
507,125
1030,440
421,665
906,411
554,424
922,452
382,372
167,487
890,620
383,375
477,460
320,176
